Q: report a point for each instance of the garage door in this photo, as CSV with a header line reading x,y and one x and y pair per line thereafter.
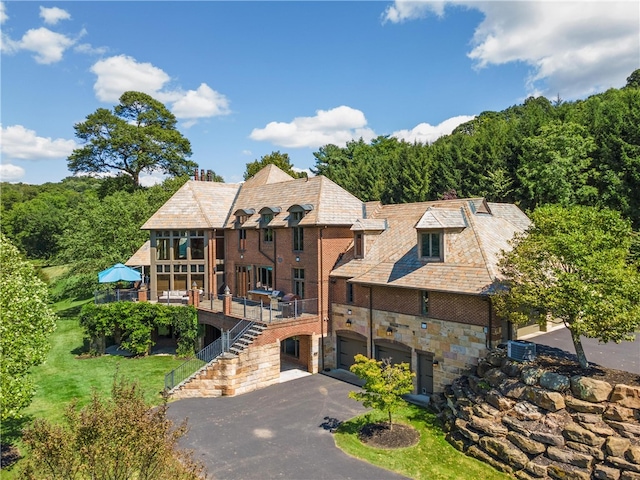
x,y
349,348
396,355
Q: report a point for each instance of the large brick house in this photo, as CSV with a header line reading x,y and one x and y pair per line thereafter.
x,y
330,276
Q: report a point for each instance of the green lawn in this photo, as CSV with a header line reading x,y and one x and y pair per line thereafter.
x,y
63,377
432,458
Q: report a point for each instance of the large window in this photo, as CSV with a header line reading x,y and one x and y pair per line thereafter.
x,y
298,282
267,234
180,244
163,247
242,239
358,246
265,278
197,244
298,239
430,245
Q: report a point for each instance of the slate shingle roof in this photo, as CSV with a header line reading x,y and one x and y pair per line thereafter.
x,y
142,257
473,242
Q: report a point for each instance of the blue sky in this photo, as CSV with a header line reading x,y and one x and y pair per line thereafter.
x,y
245,79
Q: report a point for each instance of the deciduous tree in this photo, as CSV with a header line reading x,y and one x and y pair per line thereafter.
x,y
140,135
573,266
385,383
26,321
280,160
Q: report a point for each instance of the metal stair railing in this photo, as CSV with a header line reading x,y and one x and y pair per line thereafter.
x,y
206,355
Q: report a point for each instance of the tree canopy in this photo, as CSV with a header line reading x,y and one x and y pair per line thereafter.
x,y
574,265
385,383
280,160
139,135
26,321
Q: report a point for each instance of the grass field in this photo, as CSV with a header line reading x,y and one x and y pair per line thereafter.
x,y
432,458
64,377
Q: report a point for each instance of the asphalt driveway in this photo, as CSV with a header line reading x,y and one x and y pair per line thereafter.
x,y
621,356
280,431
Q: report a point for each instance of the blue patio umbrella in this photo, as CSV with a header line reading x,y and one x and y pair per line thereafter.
x,y
119,272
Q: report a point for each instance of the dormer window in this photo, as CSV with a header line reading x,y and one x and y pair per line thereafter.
x,y
430,245
298,212
266,215
358,245
242,215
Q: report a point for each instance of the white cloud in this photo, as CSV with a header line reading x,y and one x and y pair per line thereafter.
x,y
89,49
574,48
121,73
200,103
151,179
48,46
17,142
11,173
53,15
402,10
425,133
3,13
337,126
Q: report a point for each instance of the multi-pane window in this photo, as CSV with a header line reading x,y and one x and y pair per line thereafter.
x,y
298,282
197,244
265,278
424,302
267,234
298,239
163,245
430,245
242,239
180,244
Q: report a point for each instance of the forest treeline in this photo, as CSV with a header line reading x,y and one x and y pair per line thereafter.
x,y
585,152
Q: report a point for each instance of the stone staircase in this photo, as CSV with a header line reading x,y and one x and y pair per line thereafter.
x,y
249,336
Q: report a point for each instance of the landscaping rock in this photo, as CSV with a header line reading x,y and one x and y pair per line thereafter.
x,y
499,401
526,411
512,388
476,452
537,467
586,417
531,375
576,433
551,401
626,395
554,381
495,357
526,444
482,368
569,456
626,429
511,368
505,450
548,438
516,425
581,406
495,377
602,472
590,389
633,454
618,413
616,446
596,452
623,464
600,428
487,426
630,476
564,471
461,425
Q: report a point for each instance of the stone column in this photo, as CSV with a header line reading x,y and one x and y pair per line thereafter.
x,y
226,301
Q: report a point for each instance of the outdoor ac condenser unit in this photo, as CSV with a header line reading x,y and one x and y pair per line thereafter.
x,y
521,351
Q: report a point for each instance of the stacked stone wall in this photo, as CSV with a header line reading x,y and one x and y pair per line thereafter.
x,y
256,367
537,424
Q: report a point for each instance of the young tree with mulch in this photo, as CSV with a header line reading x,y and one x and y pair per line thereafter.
x,y
385,383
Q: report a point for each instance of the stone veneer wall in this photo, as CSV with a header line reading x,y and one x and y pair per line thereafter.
x,y
532,423
256,367
456,346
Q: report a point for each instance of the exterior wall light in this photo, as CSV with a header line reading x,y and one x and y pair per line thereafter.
x,y
349,322
389,331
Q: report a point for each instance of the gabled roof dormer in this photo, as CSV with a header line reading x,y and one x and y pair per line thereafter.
x,y
362,228
432,228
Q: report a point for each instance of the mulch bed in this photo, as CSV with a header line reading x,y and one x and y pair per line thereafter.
x,y
10,455
379,435
564,363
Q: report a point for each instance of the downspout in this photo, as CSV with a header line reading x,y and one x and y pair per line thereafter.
x,y
322,302
370,321
489,344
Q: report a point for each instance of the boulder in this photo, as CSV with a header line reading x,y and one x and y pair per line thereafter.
x,y
548,438
564,471
569,456
633,454
630,476
624,464
595,452
476,452
551,401
578,405
616,446
499,401
602,472
586,417
487,426
495,377
515,425
526,411
461,425
504,450
531,375
626,395
554,381
625,428
576,433
590,389
600,428
495,357
618,413
511,368
526,444
537,467
482,368
512,388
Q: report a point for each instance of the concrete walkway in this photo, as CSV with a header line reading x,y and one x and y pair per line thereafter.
x,y
282,431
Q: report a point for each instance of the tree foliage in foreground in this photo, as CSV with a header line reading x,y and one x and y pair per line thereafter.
x,y
574,265
119,438
385,383
140,135
26,321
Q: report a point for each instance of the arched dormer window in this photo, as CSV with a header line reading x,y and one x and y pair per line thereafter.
x,y
266,215
297,212
242,215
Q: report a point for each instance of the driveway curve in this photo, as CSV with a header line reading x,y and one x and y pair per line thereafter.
x,y
282,431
